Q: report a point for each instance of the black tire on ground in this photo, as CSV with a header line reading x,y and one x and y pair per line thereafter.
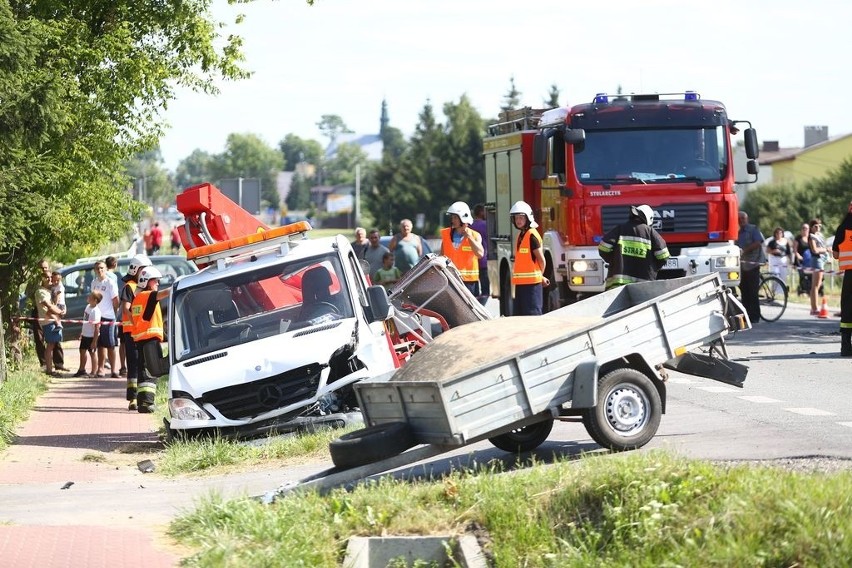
x,y
506,306
371,444
523,439
628,411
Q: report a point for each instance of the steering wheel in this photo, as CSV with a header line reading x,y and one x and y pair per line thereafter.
x,y
320,309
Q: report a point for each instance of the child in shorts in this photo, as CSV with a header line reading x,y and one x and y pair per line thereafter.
x,y
89,334
57,293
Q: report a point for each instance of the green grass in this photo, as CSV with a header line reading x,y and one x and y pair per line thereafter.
x,y
18,394
640,509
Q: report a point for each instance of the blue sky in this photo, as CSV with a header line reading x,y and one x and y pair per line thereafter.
x,y
782,64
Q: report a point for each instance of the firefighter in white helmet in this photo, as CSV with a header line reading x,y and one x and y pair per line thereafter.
x,y
529,266
148,332
462,245
125,299
634,250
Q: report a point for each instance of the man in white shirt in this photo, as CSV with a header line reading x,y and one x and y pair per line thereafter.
x,y
109,308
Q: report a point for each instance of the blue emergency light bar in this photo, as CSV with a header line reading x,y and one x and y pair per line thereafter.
x,y
603,98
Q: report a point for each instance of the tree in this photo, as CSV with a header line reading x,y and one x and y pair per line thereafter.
x,y
196,168
151,182
341,168
296,150
81,88
552,100
248,156
332,126
512,98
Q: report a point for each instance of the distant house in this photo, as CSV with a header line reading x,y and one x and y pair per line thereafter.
x,y
798,165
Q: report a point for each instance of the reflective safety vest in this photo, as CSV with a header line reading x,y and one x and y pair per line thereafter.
x,y
146,329
463,257
126,320
845,248
526,270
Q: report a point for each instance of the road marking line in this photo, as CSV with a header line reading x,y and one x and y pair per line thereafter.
x,y
849,424
718,389
759,399
810,411
680,381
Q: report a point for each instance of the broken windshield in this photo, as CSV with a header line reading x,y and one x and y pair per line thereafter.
x,y
652,155
260,303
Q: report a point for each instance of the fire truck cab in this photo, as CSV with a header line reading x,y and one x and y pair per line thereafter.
x,y
581,168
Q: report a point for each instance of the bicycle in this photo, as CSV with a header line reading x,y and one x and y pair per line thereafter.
x,y
772,295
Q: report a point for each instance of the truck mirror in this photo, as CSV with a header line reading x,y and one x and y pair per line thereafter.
x,y
155,362
752,167
538,172
574,136
380,306
539,157
751,146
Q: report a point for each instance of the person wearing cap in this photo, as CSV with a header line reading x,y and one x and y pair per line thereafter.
x,y
528,268
634,250
125,297
462,245
842,251
147,323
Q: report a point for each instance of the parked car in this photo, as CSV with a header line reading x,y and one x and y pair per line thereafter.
x,y
78,280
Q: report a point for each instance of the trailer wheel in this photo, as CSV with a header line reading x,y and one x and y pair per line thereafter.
x,y
628,411
523,439
371,444
505,292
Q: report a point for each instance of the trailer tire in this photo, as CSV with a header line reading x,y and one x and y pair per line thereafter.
x,y
628,411
371,444
523,439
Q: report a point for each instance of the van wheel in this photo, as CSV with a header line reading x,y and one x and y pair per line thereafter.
x,y
371,444
628,411
523,439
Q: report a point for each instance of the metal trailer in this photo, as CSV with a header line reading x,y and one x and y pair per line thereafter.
x,y
601,360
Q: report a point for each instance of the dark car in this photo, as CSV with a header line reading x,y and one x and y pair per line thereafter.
x,y
78,283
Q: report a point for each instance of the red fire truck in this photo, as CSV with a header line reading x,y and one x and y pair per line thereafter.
x,y
581,168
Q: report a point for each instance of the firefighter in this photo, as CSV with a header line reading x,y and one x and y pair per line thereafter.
x,y
528,268
842,251
633,250
125,297
147,322
463,245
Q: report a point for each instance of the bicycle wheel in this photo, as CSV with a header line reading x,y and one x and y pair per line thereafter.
x,y
772,296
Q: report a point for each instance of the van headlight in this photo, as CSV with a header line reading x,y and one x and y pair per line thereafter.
x,y
584,266
186,409
727,261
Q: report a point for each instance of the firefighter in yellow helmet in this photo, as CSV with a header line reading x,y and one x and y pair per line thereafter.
x,y
462,245
842,251
147,330
528,268
634,250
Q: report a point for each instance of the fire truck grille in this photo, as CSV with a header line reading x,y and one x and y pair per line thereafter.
x,y
251,399
670,218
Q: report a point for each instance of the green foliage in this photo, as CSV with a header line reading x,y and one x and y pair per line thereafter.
x,y
642,509
81,88
788,205
18,394
296,150
440,164
248,156
512,98
331,126
552,100
196,168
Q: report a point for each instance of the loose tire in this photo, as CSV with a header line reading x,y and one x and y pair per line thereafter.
x,y
371,444
628,411
523,439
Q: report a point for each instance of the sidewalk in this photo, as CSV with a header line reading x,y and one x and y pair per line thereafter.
x,y
76,434
112,514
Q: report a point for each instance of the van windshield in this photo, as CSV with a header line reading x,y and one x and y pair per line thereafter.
x,y
258,304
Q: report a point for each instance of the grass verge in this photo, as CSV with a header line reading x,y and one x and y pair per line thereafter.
x,y
17,397
639,509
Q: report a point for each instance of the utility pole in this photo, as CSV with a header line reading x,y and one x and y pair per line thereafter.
x,y
357,194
